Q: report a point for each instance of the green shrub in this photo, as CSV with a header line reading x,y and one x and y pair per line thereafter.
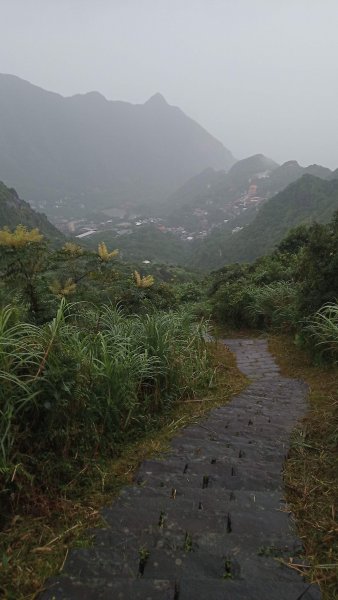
x,y
273,305
91,379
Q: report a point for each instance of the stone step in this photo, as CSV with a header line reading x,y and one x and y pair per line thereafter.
x,y
256,589
257,524
216,442
232,466
186,588
64,588
254,480
245,500
241,450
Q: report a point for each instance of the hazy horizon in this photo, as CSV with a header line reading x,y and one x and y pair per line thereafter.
x,y
259,76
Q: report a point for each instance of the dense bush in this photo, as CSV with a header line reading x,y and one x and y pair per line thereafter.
x,y
92,377
35,277
286,289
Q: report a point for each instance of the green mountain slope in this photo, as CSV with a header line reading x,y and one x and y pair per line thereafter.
x,y
234,197
308,199
147,243
219,188
14,211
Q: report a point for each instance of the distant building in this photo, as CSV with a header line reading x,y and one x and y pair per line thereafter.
x,y
86,233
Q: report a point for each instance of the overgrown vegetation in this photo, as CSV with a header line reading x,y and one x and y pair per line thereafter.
x,y
93,376
294,289
88,380
94,357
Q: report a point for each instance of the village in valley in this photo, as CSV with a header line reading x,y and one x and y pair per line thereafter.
x,y
198,221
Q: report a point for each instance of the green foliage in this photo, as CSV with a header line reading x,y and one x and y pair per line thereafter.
x,y
39,276
272,305
285,290
317,269
19,358
14,212
307,200
23,261
323,328
189,292
80,377
89,380
146,243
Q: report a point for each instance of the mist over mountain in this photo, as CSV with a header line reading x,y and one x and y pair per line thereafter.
x,y
72,155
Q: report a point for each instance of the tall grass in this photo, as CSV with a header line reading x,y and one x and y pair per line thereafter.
x,y
273,305
19,359
323,328
91,378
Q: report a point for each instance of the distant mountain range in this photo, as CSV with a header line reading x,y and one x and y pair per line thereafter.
x,y
306,200
94,166
71,156
14,211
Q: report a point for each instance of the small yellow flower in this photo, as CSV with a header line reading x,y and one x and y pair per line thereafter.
x,y
143,282
104,254
60,290
72,249
20,237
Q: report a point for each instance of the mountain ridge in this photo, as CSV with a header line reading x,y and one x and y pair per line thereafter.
x,y
213,197
68,155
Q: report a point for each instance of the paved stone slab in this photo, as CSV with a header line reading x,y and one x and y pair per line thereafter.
x,y
257,589
207,520
65,588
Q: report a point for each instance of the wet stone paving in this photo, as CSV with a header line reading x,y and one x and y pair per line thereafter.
x,y
207,520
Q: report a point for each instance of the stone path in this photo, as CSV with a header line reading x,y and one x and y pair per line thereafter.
x,y
207,521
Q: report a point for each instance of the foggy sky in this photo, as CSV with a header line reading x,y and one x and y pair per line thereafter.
x,y
261,75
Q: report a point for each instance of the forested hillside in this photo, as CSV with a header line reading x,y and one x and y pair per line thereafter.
x,y
147,243
14,211
308,199
216,200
